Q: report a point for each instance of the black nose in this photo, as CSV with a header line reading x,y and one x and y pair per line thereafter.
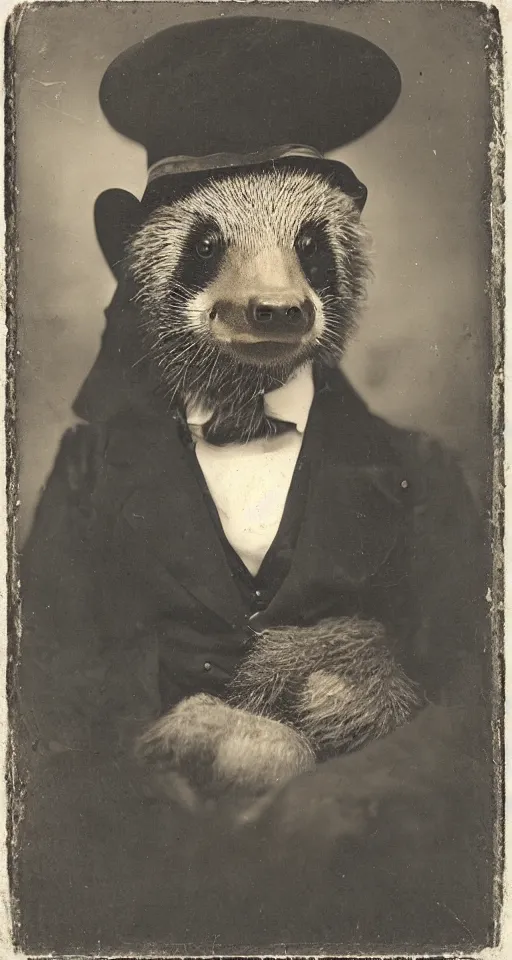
x,y
283,319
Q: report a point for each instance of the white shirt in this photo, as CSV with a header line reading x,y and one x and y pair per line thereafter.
x,y
249,482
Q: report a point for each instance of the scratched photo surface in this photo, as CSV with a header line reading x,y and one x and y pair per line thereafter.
x,y
325,780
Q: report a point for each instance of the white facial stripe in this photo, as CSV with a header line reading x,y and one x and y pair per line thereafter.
x,y
271,274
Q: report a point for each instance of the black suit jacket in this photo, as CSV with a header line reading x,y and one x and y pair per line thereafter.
x,y
127,593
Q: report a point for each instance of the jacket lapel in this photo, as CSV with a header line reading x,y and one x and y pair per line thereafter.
x,y
355,508
166,509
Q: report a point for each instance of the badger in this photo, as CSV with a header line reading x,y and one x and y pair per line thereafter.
x,y
241,282
238,284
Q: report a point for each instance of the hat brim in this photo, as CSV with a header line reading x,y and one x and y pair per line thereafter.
x,y
241,84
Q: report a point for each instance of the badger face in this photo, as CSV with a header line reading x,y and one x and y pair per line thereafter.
x,y
260,270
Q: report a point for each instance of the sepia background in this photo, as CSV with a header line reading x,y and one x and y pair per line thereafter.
x,y
423,354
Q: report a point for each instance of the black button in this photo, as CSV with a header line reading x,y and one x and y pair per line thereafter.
x,y
258,602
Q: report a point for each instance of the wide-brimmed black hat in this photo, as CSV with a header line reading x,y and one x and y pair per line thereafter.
x,y
208,94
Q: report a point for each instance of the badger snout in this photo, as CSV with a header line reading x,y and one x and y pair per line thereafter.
x,y
264,308
273,317
265,318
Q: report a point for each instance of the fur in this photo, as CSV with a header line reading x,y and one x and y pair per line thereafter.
x,y
258,219
337,681
218,748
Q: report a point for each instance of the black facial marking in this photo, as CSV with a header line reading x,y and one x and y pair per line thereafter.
x,y
202,256
316,257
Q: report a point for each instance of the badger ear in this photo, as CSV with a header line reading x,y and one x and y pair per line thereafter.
x,y
117,214
347,181
361,198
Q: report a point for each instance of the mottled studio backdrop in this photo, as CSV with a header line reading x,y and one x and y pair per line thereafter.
x,y
423,354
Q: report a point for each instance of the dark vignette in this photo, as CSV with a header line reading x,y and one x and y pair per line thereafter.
x,y
494,217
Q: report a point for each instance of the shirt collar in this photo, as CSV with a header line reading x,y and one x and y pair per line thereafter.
x,y
291,402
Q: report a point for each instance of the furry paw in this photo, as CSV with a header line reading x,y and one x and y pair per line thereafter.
x,y
217,749
338,679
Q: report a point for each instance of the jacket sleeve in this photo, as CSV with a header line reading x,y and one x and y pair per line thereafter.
x,y
452,579
60,672
86,827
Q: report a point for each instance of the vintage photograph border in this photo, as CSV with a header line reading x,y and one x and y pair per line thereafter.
x,y
499,18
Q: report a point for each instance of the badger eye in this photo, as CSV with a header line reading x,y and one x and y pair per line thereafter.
x,y
307,245
207,246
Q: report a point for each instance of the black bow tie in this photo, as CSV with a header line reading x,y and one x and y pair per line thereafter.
x,y
252,423
221,432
